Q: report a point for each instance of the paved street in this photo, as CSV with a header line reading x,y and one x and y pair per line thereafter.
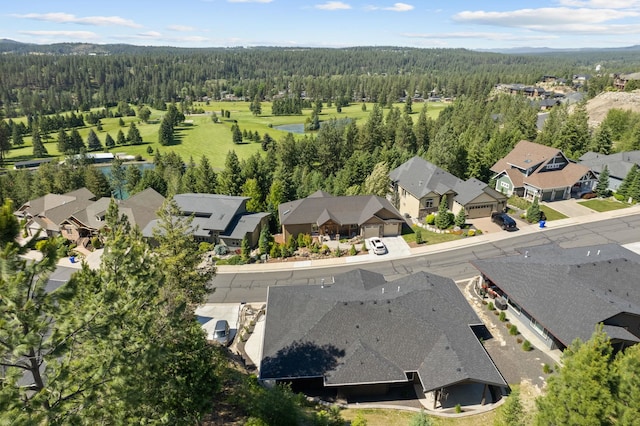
x,y
249,283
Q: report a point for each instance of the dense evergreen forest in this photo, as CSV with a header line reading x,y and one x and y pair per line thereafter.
x,y
41,79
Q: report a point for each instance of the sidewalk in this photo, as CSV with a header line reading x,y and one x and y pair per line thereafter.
x,y
427,249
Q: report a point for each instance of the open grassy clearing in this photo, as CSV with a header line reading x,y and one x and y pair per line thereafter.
x,y
203,137
604,205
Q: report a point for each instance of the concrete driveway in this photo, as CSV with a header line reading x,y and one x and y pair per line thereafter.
x,y
569,208
209,313
488,227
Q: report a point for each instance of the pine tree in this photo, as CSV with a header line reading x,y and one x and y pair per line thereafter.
x,y
75,144
120,138
461,218
165,133
16,136
533,212
93,143
581,392
602,187
109,142
512,412
63,141
443,219
133,135
265,240
236,134
39,150
230,178
627,182
245,249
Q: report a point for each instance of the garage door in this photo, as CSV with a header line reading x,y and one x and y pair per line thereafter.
x,y
481,210
371,231
390,230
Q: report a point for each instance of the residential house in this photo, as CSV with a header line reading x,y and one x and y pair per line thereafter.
x,y
362,335
562,294
533,170
618,165
325,216
140,209
44,214
419,186
620,80
219,219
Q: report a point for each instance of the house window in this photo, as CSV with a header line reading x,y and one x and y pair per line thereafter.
x,y
505,185
427,203
537,327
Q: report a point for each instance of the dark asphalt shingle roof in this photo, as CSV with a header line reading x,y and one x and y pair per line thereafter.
x,y
473,188
569,291
618,164
420,177
362,329
345,210
216,211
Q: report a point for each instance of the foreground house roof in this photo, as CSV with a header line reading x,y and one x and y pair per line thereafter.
x,y
569,291
362,329
321,207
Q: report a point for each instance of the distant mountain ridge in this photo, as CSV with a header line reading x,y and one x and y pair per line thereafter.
x,y
77,48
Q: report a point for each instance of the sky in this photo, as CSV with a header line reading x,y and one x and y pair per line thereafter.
x,y
471,24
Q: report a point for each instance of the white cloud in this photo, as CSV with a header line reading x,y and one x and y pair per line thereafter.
x,y
81,35
399,7
64,18
333,5
480,35
607,4
548,18
180,28
149,34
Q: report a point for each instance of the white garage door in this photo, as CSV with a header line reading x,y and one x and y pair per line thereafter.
x,y
390,229
371,231
481,210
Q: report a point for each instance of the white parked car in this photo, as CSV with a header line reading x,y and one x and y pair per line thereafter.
x,y
377,246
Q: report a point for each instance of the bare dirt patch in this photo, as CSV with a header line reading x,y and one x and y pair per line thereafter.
x,y
598,107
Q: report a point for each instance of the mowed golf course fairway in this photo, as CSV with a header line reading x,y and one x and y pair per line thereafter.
x,y
201,136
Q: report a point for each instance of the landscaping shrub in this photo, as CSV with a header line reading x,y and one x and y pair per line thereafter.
x,y
491,307
458,408
513,330
546,369
419,239
503,316
352,250
96,243
430,219
526,346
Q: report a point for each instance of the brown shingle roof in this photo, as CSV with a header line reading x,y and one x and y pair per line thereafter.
x,y
524,155
569,175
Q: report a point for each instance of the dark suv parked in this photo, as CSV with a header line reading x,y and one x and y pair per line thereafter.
x,y
503,220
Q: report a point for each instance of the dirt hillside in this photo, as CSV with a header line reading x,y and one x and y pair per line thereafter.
x,y
598,107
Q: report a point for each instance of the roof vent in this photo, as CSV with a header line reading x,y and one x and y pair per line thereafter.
x,y
398,289
285,212
526,254
382,290
589,253
598,253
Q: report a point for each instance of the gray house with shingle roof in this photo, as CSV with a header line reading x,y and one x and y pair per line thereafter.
x,y
45,214
563,293
418,186
618,165
364,335
84,224
534,170
219,219
322,214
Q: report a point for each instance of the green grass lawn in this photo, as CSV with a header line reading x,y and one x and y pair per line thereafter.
x,y
203,137
382,417
523,204
604,205
429,237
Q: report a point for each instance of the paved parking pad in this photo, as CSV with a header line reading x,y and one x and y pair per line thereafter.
x,y
209,313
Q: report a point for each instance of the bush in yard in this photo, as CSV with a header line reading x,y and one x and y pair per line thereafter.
x,y
430,219
513,330
460,218
502,316
491,307
352,250
533,212
419,239
526,346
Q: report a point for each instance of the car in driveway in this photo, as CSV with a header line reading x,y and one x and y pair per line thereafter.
x,y
222,333
504,221
377,246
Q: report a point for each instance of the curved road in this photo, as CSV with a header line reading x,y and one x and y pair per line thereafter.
x,y
452,263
